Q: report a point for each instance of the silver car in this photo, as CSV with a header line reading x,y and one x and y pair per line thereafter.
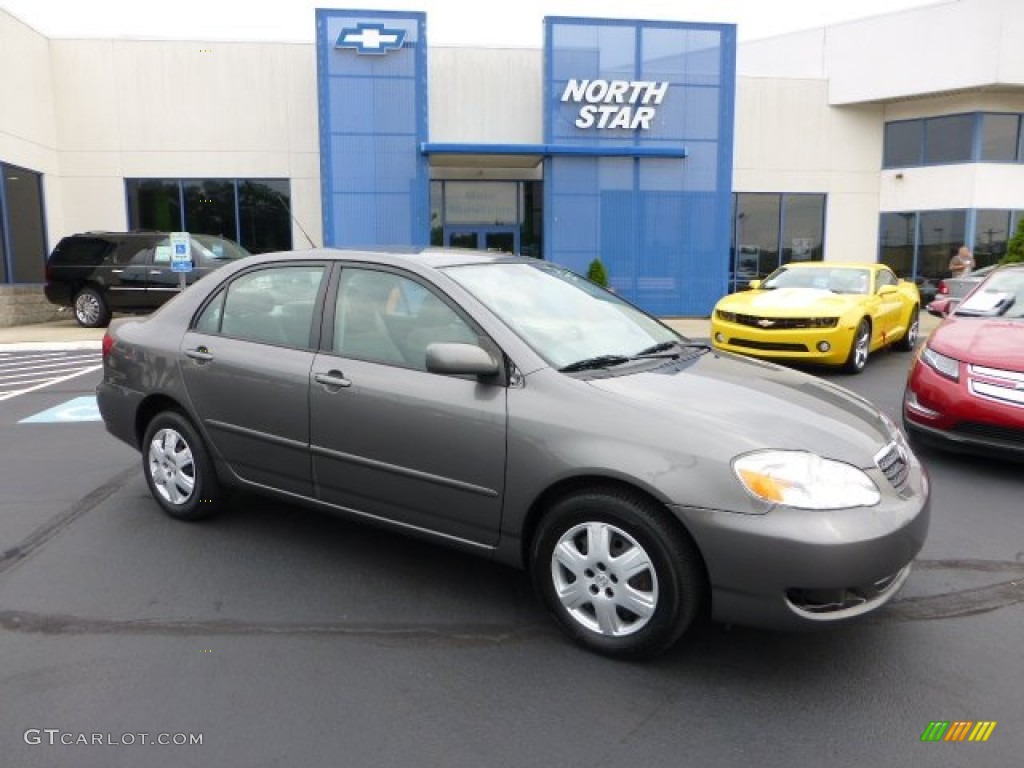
x,y
510,408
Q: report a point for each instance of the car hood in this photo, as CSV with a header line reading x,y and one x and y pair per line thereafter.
x,y
990,341
790,302
751,405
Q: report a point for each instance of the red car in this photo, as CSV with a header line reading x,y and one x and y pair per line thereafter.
x,y
966,387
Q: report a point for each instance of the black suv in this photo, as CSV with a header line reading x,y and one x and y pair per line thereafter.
x,y
97,273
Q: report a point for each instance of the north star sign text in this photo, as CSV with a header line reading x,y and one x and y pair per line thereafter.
x,y
615,103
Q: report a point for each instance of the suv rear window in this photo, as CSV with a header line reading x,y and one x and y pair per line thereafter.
x,y
80,251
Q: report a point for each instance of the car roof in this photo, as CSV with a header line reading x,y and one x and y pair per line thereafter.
x,y
431,256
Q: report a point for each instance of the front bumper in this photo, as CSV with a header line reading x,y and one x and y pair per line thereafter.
x,y
792,568
797,344
971,414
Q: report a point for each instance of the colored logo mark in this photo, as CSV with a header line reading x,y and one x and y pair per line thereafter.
x,y
958,730
371,38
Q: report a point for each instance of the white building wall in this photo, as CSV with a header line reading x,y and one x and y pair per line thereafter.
x,y
147,109
788,139
486,96
28,134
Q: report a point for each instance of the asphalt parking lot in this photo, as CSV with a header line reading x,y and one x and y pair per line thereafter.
x,y
284,637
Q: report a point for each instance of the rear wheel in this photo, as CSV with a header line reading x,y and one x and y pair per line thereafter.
x,y
178,469
618,577
859,348
91,310
909,340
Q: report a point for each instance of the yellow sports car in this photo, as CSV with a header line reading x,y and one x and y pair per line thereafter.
x,y
822,312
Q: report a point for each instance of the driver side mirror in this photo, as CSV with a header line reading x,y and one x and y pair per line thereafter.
x,y
456,359
754,285
887,290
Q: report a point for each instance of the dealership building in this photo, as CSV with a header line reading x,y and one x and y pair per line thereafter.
x,y
687,162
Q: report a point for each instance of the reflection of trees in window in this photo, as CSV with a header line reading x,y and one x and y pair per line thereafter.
x,y
264,207
154,204
210,207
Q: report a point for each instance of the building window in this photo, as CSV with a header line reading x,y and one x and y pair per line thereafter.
x,y
948,139
495,215
22,232
999,138
983,137
773,229
903,143
253,212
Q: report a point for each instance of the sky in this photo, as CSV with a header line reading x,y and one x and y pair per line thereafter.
x,y
509,23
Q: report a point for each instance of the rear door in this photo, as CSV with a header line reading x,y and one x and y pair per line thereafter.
x,y
246,364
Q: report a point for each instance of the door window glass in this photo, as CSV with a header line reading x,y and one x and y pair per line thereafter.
x,y
270,306
386,318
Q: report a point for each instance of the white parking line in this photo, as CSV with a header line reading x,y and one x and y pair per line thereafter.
x,y
30,369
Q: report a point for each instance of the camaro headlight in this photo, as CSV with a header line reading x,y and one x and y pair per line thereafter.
x,y
728,317
946,366
804,480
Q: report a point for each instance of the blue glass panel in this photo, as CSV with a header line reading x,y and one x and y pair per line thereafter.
x,y
373,117
661,226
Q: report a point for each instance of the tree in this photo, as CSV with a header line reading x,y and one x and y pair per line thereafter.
x,y
596,273
1015,246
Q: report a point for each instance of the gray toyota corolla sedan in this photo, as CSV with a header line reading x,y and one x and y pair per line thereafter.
x,y
508,407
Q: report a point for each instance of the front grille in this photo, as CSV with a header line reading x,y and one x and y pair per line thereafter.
x,y
989,432
892,460
1003,386
770,346
777,323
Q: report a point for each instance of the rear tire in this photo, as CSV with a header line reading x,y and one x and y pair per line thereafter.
x,y
178,469
91,310
619,578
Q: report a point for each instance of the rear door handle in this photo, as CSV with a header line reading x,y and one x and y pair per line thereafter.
x,y
332,379
202,354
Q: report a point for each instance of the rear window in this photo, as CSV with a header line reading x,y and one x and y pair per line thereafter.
x,y
80,251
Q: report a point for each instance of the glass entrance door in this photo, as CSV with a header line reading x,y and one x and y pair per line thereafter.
x,y
498,239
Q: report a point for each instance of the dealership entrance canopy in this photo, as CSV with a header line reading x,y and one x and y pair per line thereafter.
x,y
633,163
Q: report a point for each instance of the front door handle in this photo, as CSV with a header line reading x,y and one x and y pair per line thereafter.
x,y
201,354
333,380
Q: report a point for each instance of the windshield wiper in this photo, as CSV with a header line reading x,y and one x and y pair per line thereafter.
x,y
590,363
665,346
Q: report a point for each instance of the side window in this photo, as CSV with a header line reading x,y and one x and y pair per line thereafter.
x,y
885,277
270,306
386,318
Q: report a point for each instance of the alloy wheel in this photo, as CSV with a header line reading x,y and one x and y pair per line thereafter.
x,y
605,579
172,466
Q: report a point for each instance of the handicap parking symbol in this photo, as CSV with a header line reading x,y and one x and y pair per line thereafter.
x,y
77,409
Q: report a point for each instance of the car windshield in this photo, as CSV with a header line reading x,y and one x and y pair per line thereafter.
x,y
566,319
216,248
837,280
1001,295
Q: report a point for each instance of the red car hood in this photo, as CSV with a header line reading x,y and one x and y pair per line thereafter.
x,y
988,341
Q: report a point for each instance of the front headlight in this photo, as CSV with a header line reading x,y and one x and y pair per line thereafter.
x,y
804,480
945,366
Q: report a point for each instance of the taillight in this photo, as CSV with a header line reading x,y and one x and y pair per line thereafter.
x,y
108,344
943,288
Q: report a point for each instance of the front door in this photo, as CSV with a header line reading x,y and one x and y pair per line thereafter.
x,y
497,239
391,439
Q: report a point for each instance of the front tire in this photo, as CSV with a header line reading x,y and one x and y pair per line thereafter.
x,y
178,469
618,577
860,348
909,340
91,310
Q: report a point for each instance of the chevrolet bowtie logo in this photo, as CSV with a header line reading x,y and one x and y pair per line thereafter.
x,y
371,38
764,322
